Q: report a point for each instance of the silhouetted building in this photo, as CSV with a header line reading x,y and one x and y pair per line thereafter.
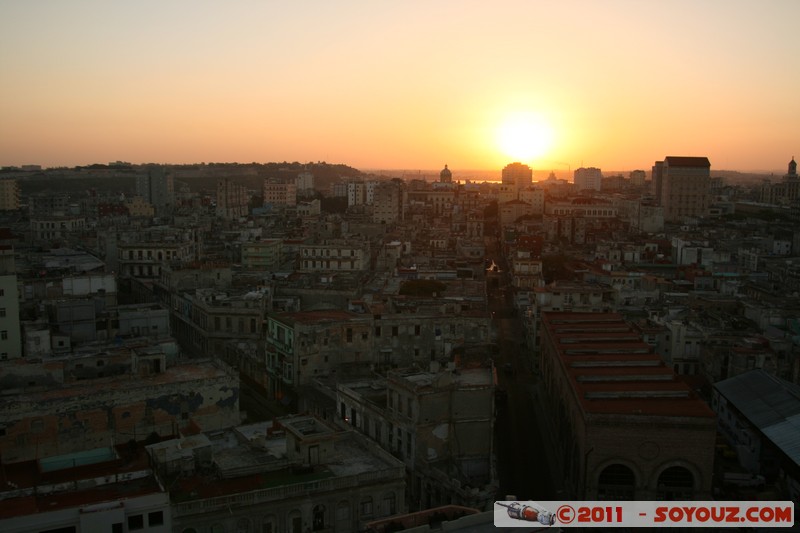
x,y
517,175
445,176
588,178
685,185
156,186
785,192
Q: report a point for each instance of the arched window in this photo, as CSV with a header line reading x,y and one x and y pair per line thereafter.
x,y
269,524
675,483
295,522
389,504
243,525
318,521
366,506
616,482
343,510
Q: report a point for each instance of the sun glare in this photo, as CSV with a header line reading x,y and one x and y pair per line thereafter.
x,y
524,138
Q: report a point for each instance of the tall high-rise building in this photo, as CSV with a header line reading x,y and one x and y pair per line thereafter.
x,y
10,338
637,177
517,176
9,195
685,184
277,192
588,178
388,204
657,176
232,199
156,186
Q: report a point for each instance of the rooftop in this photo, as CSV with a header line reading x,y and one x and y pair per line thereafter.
x,y
252,463
104,475
769,403
613,371
683,161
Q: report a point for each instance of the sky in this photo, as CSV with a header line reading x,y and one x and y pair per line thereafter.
x,y
401,84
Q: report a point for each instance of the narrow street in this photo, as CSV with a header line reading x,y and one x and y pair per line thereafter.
x,y
522,461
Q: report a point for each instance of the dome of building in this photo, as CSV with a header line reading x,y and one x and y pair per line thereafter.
x,y
445,176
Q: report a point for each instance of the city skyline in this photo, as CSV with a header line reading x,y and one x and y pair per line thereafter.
x,y
400,86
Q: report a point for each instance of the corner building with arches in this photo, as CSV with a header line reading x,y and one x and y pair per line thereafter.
x,y
626,427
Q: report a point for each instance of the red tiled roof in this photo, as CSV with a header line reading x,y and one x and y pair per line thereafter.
x,y
612,371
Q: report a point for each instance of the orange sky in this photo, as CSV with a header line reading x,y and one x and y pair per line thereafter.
x,y
404,85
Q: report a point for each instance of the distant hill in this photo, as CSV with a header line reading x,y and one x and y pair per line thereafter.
x,y
200,177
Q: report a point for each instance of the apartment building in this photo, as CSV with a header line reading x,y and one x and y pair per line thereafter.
x,y
588,178
292,474
56,227
128,394
685,185
155,184
145,256
333,256
9,194
206,319
389,203
233,200
265,254
277,193
112,488
439,423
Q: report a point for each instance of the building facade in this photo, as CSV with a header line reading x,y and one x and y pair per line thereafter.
x,y
685,185
628,428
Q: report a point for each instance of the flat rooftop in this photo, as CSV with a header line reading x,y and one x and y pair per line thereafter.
x,y
254,458
195,371
464,377
113,473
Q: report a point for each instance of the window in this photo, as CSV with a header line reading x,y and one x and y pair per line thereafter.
x,y
135,522
156,518
4,335
366,507
267,526
116,527
342,511
389,503
394,331
2,311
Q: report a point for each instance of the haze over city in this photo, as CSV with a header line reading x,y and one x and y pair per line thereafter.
x,y
400,85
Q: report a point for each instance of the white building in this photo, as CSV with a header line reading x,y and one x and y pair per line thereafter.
x,y
588,178
534,197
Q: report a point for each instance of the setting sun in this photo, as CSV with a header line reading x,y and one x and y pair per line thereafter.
x,y
524,137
